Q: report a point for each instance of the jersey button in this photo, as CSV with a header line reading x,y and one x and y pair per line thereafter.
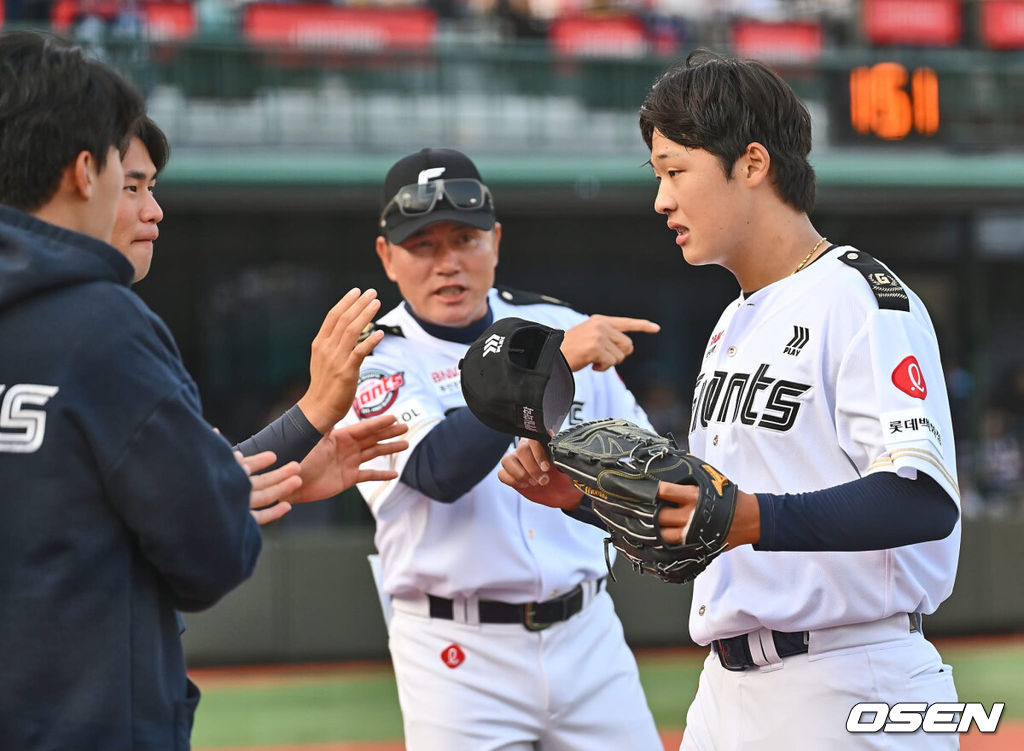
x,y
731,352
703,609
714,441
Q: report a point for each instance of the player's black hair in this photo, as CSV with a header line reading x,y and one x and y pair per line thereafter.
x,y
154,140
54,104
721,105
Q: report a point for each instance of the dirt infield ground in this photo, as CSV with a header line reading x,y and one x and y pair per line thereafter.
x,y
1009,737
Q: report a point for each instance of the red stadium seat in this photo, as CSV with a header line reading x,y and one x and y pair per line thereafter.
x,y
913,22
788,42
1002,24
316,26
64,12
170,19
164,19
598,36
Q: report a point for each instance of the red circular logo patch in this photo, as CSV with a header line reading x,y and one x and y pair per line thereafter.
x,y
909,379
376,391
453,656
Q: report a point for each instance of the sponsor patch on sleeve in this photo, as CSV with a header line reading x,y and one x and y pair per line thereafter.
x,y
911,426
376,391
909,378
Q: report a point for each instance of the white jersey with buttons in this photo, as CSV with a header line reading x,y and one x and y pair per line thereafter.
x,y
491,543
811,382
465,684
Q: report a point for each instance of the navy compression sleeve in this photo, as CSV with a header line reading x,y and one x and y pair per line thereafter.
x,y
455,455
876,512
291,436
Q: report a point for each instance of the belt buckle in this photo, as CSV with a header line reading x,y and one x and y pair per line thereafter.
x,y
723,658
529,613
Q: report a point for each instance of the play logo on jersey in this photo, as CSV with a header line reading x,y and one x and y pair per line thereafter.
x,y
801,335
909,379
453,656
376,391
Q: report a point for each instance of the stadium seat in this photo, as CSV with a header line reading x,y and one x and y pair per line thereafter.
x,y
598,36
787,42
934,23
1001,24
317,26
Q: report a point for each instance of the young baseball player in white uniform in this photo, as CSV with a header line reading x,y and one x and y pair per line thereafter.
x,y
821,390
502,635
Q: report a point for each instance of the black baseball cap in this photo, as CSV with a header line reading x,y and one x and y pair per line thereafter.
x,y
424,167
516,380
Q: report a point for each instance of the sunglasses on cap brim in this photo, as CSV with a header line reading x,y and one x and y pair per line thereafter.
x,y
463,193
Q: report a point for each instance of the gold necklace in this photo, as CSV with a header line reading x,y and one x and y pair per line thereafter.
x,y
808,256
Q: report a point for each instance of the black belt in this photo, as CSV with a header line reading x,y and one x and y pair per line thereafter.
x,y
535,616
734,653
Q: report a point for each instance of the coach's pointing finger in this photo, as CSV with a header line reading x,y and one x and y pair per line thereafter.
x,y
600,341
633,324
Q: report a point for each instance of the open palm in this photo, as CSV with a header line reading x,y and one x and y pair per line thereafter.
x,y
335,462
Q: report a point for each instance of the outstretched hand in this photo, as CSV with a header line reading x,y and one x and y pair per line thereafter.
x,y
334,463
268,488
602,342
528,470
336,356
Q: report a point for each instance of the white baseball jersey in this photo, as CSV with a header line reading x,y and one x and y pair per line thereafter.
x,y
808,383
491,543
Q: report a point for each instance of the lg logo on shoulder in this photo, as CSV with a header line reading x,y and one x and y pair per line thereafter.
x,y
22,420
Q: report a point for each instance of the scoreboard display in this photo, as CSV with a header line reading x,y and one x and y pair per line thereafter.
x,y
887,101
891,102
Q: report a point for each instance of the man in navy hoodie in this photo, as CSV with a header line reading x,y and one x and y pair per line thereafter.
x,y
120,505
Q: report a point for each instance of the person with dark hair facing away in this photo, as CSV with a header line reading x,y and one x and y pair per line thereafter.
x,y
822,391
121,505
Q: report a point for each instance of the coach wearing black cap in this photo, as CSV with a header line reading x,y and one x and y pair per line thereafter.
x,y
501,633
432,186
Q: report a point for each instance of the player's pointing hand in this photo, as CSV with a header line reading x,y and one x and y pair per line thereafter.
x,y
602,341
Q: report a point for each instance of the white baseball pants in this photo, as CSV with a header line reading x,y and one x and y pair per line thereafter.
x,y
801,703
571,687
